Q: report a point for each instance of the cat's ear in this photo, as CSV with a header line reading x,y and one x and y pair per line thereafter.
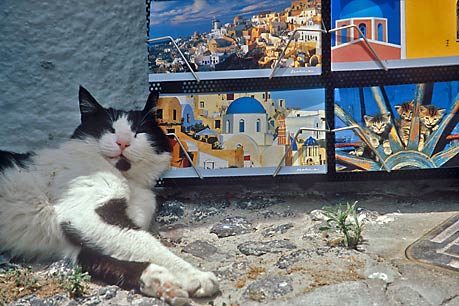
x,y
441,111
386,117
153,98
397,107
88,105
367,119
422,109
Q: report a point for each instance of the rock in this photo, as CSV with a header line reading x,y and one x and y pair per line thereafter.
x,y
231,227
5,263
452,301
355,293
201,213
43,302
149,302
61,267
260,248
277,214
269,288
286,261
91,300
317,215
130,296
404,295
170,212
277,230
201,249
366,215
209,208
257,203
108,293
217,203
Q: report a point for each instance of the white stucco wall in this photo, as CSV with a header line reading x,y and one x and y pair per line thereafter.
x,y
49,48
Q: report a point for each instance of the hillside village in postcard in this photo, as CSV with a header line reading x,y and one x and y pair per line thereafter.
x,y
246,130
241,34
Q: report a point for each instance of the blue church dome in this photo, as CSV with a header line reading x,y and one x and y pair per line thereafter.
x,y
311,142
361,8
245,105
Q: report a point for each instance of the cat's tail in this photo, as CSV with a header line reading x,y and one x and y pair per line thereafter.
x,y
12,159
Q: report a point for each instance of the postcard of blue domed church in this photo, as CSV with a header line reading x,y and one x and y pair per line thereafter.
x,y
252,133
218,38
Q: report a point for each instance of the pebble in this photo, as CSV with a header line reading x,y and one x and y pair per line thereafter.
x,y
269,288
318,215
108,293
257,203
64,267
231,227
277,230
209,208
261,248
200,248
170,212
286,261
43,302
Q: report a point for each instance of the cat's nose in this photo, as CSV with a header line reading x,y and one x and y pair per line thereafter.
x,y
123,144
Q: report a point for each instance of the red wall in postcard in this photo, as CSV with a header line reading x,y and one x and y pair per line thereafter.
x,y
359,52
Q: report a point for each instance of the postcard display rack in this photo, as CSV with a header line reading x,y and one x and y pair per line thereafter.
x,y
336,89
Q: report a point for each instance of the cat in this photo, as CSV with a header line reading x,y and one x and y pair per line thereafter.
x,y
403,122
430,116
378,127
90,201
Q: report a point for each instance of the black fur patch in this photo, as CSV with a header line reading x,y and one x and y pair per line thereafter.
x,y
10,159
96,120
114,213
75,236
125,274
123,164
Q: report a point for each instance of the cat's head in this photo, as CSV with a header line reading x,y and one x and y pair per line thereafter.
x,y
405,110
430,115
378,123
131,141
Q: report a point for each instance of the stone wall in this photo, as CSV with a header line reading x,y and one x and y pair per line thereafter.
x,y
49,48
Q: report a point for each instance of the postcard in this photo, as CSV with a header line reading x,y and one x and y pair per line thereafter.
x,y
218,39
251,133
386,34
413,126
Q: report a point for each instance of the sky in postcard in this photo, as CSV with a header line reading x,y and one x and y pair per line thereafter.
x,y
307,99
390,9
182,18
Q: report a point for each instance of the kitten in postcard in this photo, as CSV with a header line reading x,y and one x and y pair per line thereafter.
x,y
430,116
378,127
90,201
403,122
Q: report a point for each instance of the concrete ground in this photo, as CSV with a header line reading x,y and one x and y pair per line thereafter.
x,y
266,248
265,245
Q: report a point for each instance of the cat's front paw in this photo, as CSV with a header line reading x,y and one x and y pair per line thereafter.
x,y
201,284
157,281
387,148
374,142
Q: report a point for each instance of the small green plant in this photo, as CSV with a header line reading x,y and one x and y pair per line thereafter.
x,y
75,283
23,277
343,218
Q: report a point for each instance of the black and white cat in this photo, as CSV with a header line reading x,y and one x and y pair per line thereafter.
x,y
90,200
